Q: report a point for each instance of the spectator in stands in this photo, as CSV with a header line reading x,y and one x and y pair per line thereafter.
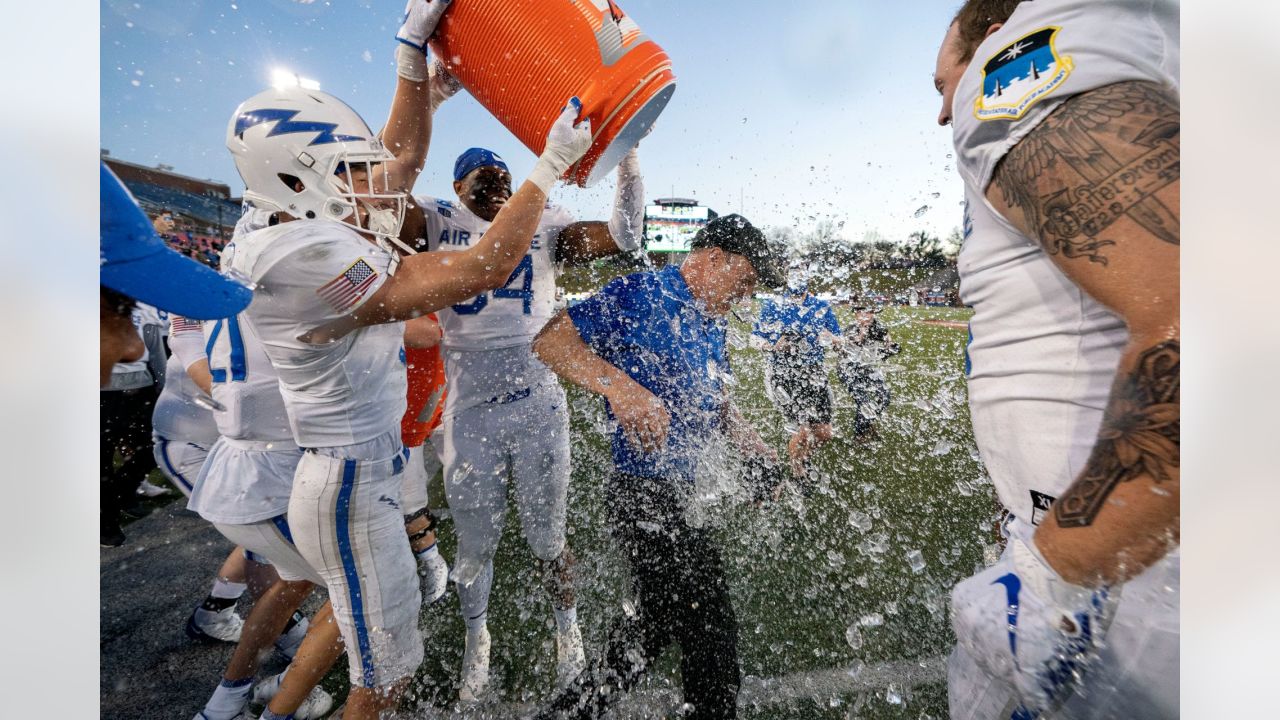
x,y
164,225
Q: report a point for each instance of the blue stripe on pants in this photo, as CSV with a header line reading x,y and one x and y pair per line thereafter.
x,y
343,521
283,526
173,471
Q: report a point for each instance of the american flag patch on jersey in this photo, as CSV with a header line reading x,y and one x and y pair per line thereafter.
x,y
179,324
344,291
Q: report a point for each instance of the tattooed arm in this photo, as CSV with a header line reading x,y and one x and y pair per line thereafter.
x,y
1097,184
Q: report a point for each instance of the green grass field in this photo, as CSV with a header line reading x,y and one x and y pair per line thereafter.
x,y
819,584
803,572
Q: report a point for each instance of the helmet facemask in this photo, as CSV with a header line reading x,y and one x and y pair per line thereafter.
x,y
384,208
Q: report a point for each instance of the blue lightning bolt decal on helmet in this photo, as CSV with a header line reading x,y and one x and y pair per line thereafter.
x,y
308,154
283,119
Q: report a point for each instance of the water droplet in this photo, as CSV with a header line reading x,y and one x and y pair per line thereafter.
x,y
853,636
916,559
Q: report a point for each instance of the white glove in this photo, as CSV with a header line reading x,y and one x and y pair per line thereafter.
x,y
626,225
443,84
420,20
566,143
1024,624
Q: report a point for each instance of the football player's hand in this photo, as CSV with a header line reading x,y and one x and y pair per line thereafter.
x,y
640,413
567,141
1022,622
799,448
420,20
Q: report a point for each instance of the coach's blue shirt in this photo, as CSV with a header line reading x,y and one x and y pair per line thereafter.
x,y
648,325
802,321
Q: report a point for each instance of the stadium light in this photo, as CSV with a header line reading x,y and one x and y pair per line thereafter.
x,y
282,78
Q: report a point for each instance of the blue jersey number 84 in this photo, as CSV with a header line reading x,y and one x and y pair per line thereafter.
x,y
523,272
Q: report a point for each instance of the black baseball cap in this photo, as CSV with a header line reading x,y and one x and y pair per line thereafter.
x,y
736,234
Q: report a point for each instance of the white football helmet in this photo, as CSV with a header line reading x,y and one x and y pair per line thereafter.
x,y
286,137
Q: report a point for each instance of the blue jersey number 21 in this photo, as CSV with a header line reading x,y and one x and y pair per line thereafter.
x,y
235,351
524,272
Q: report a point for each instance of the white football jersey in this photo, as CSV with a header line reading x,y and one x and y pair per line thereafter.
x,y
177,415
1042,354
510,315
487,340
135,374
238,486
307,273
245,383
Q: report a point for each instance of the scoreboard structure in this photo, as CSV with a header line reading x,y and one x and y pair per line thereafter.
x,y
671,223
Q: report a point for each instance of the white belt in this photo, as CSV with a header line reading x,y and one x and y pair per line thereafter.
x,y
262,445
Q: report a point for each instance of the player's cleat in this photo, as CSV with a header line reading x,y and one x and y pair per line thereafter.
x,y
290,640
434,573
571,660
475,666
316,705
146,488
209,626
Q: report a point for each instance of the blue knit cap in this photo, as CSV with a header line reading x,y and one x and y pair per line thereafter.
x,y
476,158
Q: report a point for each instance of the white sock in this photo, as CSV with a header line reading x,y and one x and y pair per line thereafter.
x,y
228,699
431,553
273,683
566,619
473,599
291,639
475,625
227,590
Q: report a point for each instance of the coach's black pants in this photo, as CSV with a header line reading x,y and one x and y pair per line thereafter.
x,y
681,598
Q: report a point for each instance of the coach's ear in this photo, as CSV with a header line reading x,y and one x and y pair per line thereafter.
x,y
991,30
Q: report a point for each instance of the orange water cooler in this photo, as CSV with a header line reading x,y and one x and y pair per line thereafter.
x,y
522,59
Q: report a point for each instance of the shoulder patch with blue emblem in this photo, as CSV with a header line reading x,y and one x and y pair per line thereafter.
x,y
1021,74
444,207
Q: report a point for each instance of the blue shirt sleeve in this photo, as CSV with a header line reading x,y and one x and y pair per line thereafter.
x,y
830,322
768,323
603,318
719,342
